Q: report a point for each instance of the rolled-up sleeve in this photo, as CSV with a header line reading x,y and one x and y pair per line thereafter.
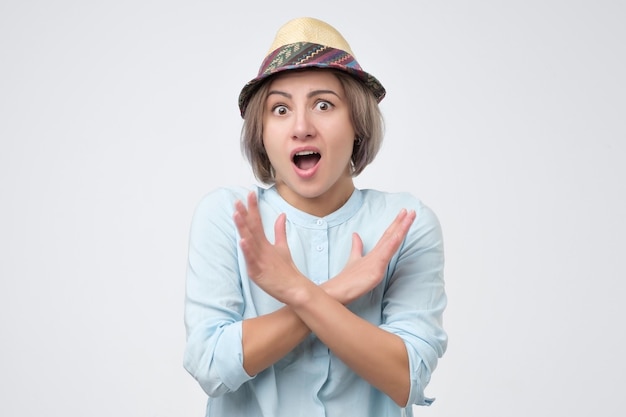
x,y
213,298
415,299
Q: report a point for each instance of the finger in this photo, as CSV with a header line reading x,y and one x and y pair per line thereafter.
x,y
248,223
356,252
280,236
392,230
401,226
240,208
245,234
249,216
280,230
253,206
410,218
402,223
254,215
239,217
391,240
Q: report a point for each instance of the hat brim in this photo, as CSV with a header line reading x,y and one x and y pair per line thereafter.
x,y
275,63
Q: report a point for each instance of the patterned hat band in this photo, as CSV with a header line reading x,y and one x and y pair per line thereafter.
x,y
303,54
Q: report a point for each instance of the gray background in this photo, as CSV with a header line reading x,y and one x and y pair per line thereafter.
x,y
507,118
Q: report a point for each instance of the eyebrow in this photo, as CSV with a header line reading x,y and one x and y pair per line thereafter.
x,y
309,95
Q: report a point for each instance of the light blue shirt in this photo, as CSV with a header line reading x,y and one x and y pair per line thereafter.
x,y
310,381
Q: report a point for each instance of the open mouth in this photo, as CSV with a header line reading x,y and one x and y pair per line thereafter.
x,y
306,159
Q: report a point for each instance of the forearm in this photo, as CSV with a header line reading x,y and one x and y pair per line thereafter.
x,y
268,338
376,355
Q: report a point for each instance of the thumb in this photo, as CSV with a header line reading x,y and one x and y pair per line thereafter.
x,y
280,230
357,247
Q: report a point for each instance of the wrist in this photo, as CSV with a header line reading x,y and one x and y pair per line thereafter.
x,y
301,295
337,289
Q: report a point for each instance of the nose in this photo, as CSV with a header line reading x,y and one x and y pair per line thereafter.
x,y
303,126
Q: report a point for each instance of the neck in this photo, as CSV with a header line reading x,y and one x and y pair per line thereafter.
x,y
321,205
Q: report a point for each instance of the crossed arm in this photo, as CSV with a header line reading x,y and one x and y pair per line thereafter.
x,y
376,355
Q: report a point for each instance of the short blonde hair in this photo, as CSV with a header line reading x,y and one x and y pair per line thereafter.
x,y
365,115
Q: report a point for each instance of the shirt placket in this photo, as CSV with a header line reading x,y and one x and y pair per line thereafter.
x,y
319,256
319,251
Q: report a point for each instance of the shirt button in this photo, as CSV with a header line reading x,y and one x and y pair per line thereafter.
x,y
320,222
320,248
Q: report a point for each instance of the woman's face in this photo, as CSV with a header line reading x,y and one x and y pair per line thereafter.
x,y
308,137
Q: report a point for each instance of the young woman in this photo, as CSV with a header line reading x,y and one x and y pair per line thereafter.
x,y
310,297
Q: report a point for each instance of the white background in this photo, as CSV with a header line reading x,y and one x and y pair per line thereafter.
x,y
507,118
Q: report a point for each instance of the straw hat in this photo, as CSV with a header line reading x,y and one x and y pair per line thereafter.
x,y
307,42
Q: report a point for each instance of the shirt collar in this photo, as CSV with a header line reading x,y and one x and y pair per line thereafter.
x,y
302,218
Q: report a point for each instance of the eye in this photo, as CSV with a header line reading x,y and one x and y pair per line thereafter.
x,y
323,105
279,110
